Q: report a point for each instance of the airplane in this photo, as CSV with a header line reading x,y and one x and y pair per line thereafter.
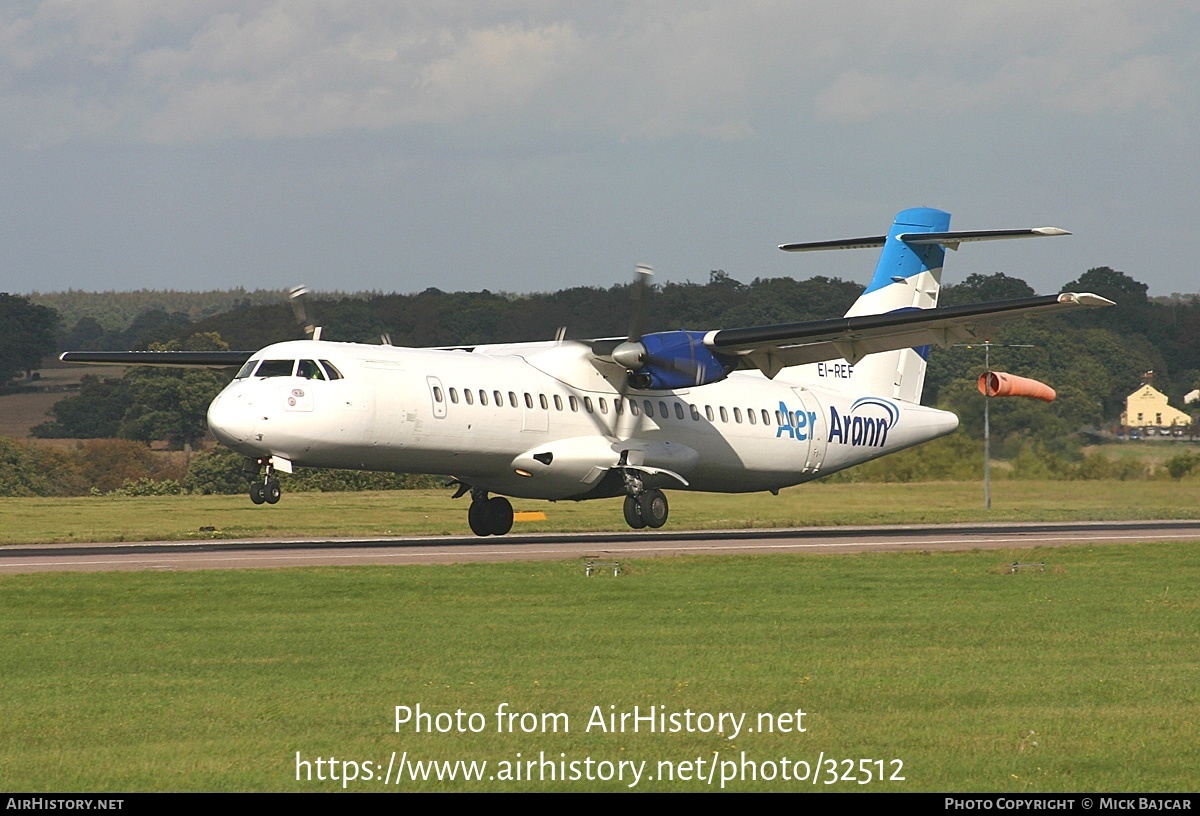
x,y
730,410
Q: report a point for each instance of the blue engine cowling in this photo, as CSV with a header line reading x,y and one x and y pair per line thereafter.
x,y
679,359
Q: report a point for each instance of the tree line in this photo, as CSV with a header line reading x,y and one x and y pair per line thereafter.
x,y
1094,358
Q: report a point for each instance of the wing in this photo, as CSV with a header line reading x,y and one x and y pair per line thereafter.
x,y
771,348
172,359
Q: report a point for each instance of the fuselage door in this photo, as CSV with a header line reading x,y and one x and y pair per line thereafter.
x,y
808,423
438,395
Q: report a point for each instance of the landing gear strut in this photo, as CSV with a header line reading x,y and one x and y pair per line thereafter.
x,y
489,516
264,487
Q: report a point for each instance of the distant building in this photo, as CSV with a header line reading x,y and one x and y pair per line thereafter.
x,y
1147,408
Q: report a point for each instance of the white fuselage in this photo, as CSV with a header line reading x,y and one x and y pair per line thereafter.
x,y
542,420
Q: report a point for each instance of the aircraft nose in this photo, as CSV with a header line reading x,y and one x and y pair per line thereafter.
x,y
231,419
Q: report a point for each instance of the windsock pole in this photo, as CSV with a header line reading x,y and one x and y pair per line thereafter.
x,y
987,434
987,399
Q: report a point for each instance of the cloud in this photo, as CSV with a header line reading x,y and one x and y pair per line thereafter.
x,y
1082,58
187,71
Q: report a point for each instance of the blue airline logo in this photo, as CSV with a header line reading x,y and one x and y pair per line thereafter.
x,y
801,425
863,426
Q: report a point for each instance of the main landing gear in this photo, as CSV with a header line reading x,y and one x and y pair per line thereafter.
x,y
643,508
647,509
264,487
489,516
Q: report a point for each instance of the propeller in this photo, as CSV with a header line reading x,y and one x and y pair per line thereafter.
x,y
661,360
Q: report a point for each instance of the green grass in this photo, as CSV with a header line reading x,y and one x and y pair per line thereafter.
x,y
1152,453
1081,678
425,512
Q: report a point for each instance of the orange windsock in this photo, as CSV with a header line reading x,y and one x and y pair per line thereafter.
x,y
999,384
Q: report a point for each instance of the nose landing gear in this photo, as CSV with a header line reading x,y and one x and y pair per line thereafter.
x,y
264,487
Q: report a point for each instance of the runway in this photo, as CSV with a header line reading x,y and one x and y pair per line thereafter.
x,y
275,553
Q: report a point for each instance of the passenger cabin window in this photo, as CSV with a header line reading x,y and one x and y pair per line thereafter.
x,y
470,395
678,411
275,368
737,414
454,395
648,408
695,413
437,394
512,399
557,402
499,399
482,397
528,400
750,416
542,399
724,414
708,412
309,370
587,403
574,403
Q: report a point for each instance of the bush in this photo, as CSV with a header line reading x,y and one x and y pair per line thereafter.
x,y
217,472
26,470
221,472
1181,464
147,487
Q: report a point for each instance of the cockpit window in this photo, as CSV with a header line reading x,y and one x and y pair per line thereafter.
x,y
309,370
333,373
246,369
275,368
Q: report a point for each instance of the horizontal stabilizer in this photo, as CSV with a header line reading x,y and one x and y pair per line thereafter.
x,y
171,359
947,239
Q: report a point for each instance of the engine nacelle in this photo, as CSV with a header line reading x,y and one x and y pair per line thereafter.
x,y
679,359
1000,384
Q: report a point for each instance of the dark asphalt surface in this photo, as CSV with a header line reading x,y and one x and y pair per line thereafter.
x,y
269,553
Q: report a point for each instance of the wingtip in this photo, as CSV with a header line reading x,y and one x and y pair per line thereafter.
x,y
1084,299
1049,231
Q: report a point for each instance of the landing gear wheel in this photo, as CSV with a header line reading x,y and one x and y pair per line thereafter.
x,y
500,512
652,505
633,515
272,492
477,517
492,516
256,493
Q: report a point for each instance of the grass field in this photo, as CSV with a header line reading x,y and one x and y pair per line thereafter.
x,y
1079,678
425,512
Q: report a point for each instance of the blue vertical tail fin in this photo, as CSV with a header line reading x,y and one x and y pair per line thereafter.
x,y
908,276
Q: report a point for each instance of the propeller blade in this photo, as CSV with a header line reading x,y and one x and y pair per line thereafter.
x,y
637,314
298,296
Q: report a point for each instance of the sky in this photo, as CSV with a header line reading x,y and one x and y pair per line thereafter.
x,y
534,145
